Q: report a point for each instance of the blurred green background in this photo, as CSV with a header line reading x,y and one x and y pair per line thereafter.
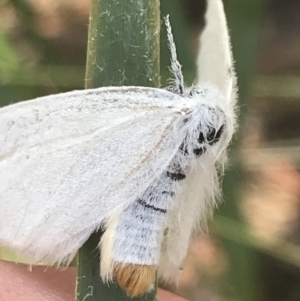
x,y
252,251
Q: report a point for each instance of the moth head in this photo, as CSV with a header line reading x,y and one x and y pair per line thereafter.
x,y
197,92
207,93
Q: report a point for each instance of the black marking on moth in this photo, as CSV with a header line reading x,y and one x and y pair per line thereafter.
x,y
148,206
183,148
199,151
170,193
175,176
213,136
175,173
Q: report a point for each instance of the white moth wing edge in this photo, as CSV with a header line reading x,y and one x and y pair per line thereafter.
x,y
40,223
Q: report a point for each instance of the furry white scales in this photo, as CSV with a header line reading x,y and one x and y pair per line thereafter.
x,y
142,163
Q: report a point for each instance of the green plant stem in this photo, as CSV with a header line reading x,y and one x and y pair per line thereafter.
x,y
123,49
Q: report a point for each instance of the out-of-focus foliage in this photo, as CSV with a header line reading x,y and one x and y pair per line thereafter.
x,y
9,64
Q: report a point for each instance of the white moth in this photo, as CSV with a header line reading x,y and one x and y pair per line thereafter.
x,y
142,163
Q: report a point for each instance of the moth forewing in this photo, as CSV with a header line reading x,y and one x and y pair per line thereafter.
x,y
50,157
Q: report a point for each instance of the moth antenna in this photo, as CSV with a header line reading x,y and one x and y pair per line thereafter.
x,y
215,62
175,65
